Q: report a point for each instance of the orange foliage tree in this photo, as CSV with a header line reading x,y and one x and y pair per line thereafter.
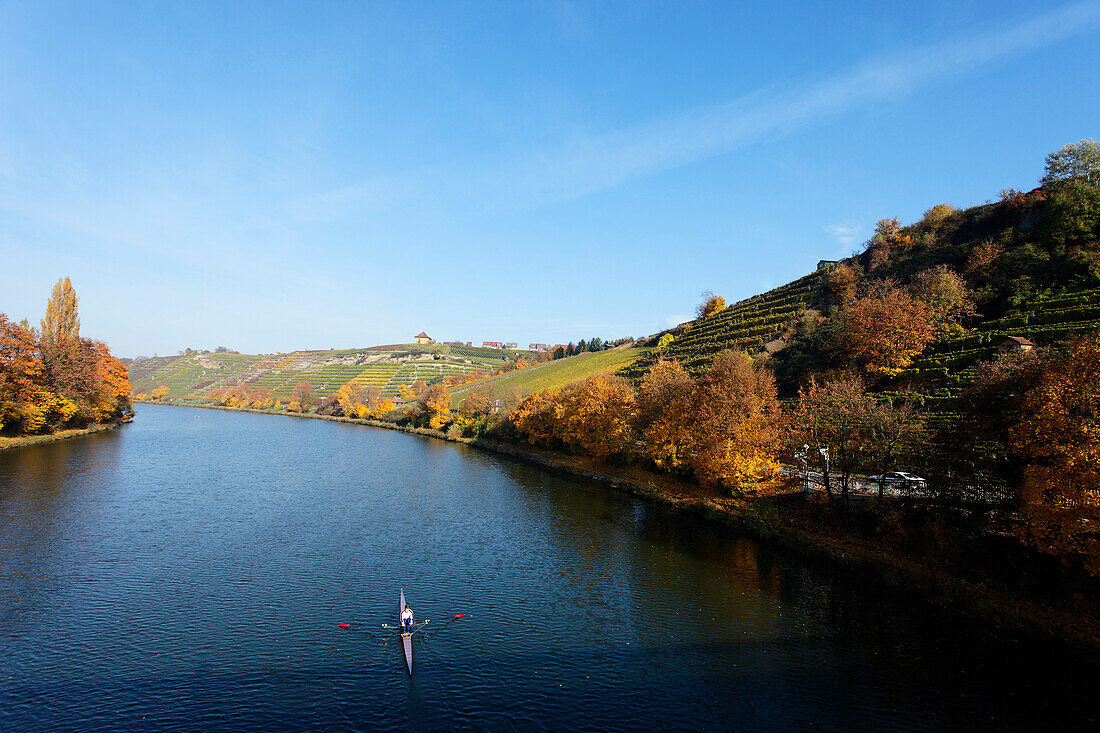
x,y
1058,438
886,329
20,374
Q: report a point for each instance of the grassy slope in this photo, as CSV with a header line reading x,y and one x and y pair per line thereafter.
x,y
187,377
557,374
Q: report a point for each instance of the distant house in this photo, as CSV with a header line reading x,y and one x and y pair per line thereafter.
x,y
1015,343
511,345
538,347
422,338
492,344
822,264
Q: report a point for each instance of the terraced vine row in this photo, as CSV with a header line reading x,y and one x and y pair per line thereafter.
x,y
744,326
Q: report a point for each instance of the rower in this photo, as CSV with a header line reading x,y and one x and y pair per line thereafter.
x,y
406,619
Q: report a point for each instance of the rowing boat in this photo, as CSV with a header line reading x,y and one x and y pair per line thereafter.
x,y
406,636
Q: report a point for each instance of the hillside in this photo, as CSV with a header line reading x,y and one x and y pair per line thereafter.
x,y
1030,264
193,376
556,374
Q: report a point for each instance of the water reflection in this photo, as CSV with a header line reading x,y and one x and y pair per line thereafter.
x,y
191,569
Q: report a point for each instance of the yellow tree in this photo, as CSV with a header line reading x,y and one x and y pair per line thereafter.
x,y
405,393
159,393
383,407
946,297
598,415
437,404
710,304
737,419
665,413
537,417
60,329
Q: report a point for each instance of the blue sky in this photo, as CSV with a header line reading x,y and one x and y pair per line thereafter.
x,y
272,176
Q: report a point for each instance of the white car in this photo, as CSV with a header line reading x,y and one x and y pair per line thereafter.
x,y
900,478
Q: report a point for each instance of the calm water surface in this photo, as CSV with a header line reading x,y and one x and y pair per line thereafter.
x,y
188,572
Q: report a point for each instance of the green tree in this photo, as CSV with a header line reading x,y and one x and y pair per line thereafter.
x,y
1079,160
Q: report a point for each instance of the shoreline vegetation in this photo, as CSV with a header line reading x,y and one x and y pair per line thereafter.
x,y
53,381
20,441
1070,623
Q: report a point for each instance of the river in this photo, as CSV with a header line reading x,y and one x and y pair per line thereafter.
x,y
189,572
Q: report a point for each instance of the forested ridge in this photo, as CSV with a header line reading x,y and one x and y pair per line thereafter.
x,y
52,378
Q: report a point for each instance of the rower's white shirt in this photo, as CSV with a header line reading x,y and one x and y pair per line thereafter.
x,y
407,615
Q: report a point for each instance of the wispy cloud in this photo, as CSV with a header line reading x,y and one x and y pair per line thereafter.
x,y
610,159
846,234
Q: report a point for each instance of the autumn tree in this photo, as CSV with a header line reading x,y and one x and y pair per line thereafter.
x,y
381,408
237,396
842,284
710,304
263,398
303,395
436,402
946,297
737,419
982,259
20,373
537,418
159,393
418,387
60,330
886,329
832,420
935,217
597,415
593,416
665,414
405,393
1058,438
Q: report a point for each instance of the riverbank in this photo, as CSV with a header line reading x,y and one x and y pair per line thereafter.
x,y
25,440
773,520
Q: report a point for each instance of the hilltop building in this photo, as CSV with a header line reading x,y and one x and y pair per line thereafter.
x,y
422,338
